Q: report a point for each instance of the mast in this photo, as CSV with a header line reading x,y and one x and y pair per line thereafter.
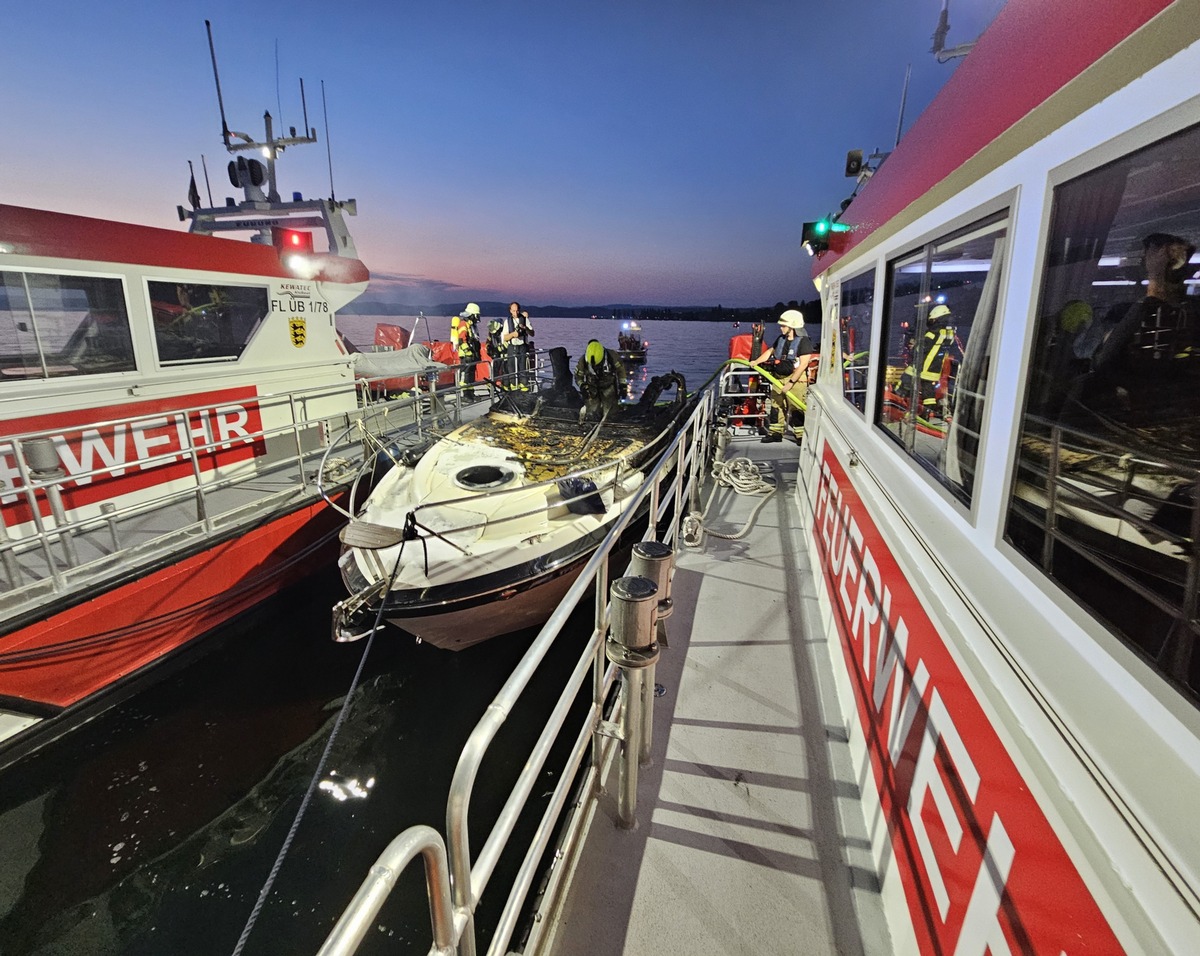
x,y
939,38
264,212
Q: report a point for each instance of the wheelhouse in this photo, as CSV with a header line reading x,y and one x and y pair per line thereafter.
x,y
1001,464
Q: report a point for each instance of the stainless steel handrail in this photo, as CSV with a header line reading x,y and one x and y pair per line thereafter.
x,y
684,458
355,923
44,536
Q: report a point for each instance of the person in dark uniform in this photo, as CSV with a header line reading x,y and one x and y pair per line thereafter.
x,y
518,338
497,350
787,359
1148,366
600,378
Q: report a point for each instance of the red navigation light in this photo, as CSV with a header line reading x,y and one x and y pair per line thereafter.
x,y
292,240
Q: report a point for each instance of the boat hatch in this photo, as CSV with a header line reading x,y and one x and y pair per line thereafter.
x,y
483,477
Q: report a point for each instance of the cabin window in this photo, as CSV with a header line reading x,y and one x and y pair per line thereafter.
x,y
1104,494
204,323
52,326
938,329
857,300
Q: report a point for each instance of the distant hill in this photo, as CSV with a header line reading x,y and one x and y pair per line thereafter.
x,y
811,310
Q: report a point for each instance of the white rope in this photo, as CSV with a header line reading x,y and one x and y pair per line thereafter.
x,y
740,474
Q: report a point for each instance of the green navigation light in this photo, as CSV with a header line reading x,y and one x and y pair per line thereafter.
x,y
816,235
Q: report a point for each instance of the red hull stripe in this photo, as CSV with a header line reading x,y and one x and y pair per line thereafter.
x,y
34,232
982,868
165,456
122,630
1031,50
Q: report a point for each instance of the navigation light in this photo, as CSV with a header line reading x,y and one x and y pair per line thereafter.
x,y
292,240
816,235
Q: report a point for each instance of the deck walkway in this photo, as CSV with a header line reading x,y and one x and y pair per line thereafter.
x,y
750,835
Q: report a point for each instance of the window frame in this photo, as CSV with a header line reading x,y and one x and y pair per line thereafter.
x,y
1182,702
172,364
872,345
123,286
998,214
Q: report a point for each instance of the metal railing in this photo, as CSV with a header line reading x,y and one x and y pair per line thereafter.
x,y
742,394
55,540
1104,495
674,481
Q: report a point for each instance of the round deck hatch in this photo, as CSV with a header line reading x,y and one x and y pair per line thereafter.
x,y
483,477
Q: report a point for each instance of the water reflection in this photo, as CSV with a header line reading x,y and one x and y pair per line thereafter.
x,y
156,824
636,379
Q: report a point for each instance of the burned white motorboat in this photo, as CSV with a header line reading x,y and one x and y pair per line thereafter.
x,y
484,533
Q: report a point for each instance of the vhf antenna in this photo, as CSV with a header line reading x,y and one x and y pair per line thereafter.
x,y
328,151
271,146
212,52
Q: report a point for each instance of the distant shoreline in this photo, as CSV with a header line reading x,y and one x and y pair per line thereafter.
x,y
639,313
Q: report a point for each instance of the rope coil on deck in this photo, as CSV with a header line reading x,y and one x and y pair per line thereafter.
x,y
740,474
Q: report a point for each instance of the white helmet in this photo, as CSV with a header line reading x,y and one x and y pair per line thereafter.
x,y
471,309
792,319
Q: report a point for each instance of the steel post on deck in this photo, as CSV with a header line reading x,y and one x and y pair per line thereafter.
x,y
12,569
632,648
45,467
654,561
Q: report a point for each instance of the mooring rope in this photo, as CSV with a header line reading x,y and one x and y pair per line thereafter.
x,y
740,474
316,778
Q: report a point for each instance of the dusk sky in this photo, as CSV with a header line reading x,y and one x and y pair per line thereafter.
x,y
552,151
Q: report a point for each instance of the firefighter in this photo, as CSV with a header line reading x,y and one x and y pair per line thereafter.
x,y
600,377
497,351
469,351
788,360
931,386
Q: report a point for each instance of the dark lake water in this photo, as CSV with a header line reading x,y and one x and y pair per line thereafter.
x,y
152,827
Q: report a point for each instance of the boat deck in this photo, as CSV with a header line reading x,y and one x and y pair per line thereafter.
x,y
58,565
750,836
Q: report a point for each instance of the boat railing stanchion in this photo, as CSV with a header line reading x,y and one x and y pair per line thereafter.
x,y
12,569
299,440
632,648
197,477
655,496
44,466
42,534
677,497
654,561
109,510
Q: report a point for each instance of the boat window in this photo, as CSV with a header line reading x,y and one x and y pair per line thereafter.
x,y
857,300
197,323
939,321
52,326
1104,493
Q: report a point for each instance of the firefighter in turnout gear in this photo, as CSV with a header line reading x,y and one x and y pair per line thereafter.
x,y
934,352
600,377
469,350
791,360
497,351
